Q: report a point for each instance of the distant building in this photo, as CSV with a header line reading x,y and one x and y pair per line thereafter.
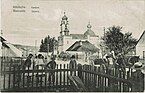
x,y
140,47
82,50
66,39
26,50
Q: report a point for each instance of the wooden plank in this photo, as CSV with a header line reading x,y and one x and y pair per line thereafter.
x,y
9,81
87,76
123,76
120,83
97,78
14,77
23,79
64,76
56,75
33,74
18,76
91,76
128,76
60,82
4,77
28,77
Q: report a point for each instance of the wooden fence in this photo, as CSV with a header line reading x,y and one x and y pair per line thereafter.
x,y
95,79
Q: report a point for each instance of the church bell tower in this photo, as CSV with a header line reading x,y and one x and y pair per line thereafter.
x,y
64,26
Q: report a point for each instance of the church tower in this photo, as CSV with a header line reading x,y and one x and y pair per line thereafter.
x,y
64,26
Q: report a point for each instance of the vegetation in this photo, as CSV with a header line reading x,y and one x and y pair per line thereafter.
x,y
48,44
117,41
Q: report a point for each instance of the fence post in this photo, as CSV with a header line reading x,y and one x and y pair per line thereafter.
x,y
80,71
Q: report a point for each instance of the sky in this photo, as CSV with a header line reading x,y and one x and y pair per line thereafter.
x,y
26,27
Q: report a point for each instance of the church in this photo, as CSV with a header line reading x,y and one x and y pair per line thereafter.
x,y
67,39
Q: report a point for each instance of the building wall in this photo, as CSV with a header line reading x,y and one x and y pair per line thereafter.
x,y
80,55
140,49
67,42
7,52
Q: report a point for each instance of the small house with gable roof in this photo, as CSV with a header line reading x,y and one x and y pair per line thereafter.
x,y
140,47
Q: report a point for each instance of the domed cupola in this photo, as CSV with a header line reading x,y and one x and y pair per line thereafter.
x,y
89,31
64,17
89,25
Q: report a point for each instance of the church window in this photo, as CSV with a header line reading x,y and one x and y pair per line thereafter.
x,y
67,42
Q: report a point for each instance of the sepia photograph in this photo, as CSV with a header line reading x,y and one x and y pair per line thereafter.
x,y
72,46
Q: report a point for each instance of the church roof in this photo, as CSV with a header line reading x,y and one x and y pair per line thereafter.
x,y
90,32
78,36
83,46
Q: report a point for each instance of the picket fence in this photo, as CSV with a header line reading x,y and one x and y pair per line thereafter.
x,y
95,79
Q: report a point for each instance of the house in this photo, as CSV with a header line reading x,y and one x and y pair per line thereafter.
x,y
82,50
9,50
66,39
140,47
16,50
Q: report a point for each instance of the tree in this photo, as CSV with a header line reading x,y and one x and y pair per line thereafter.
x,y
117,41
41,46
48,44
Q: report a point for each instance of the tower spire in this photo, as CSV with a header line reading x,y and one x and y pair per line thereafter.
x,y
64,25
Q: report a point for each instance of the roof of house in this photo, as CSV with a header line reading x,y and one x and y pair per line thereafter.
x,y
83,46
5,45
142,38
2,39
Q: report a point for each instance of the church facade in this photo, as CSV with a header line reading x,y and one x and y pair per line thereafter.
x,y
66,39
